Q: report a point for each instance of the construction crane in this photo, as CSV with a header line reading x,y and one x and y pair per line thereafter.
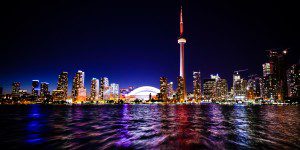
x,y
237,71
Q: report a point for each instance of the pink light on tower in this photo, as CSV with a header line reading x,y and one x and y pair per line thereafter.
x,y
181,42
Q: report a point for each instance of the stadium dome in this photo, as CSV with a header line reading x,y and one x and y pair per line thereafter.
x,y
143,92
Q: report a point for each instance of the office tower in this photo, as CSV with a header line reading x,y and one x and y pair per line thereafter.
x,y
251,85
78,89
239,87
95,89
293,81
268,69
163,88
258,89
15,88
197,86
114,91
104,89
278,89
62,84
181,42
170,91
35,87
209,88
180,89
44,89
221,89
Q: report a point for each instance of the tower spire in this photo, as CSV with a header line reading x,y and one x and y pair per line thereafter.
x,y
181,22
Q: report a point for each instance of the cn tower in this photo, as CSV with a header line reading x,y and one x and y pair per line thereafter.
x,y
181,42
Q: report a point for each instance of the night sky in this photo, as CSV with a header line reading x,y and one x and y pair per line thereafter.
x,y
135,42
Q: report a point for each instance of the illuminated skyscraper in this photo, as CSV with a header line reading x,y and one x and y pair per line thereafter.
x,y
197,86
209,89
114,91
181,42
163,88
239,87
44,89
35,87
104,89
221,89
293,81
170,90
62,84
268,69
15,88
78,89
275,83
95,89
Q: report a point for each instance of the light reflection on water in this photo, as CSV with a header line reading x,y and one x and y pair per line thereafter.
x,y
150,126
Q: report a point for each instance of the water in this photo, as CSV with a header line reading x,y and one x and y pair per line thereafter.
x,y
207,126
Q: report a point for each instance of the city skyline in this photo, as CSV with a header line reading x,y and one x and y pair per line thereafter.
x,y
204,43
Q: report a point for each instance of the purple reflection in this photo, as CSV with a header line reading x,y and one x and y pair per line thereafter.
x,y
34,126
124,133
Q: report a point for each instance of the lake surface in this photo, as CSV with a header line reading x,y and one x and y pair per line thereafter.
x,y
208,126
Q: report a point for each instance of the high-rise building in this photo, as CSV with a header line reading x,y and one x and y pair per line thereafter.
x,y
239,87
277,87
104,89
78,89
181,42
95,89
35,87
221,89
163,88
170,90
268,68
197,86
15,88
180,89
62,84
114,91
293,81
209,88
44,89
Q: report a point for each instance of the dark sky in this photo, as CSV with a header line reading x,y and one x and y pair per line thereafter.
x,y
134,42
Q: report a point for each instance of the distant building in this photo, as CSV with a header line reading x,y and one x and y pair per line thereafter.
x,y
239,87
94,89
275,81
163,88
170,90
62,84
16,88
268,68
293,81
209,88
197,86
35,88
44,89
221,89
114,91
104,89
78,89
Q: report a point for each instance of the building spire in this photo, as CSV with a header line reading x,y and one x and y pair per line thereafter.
x,y
181,22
